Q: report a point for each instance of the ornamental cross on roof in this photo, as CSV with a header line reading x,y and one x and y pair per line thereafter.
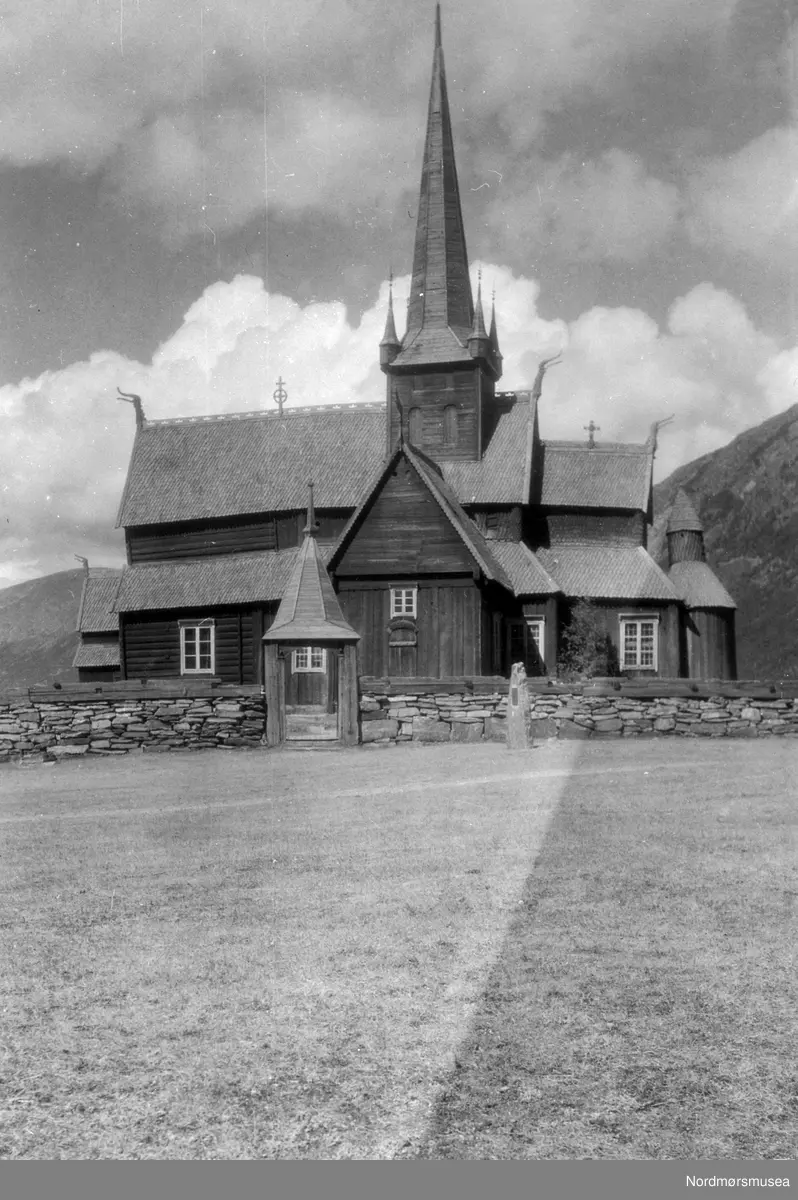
x,y
592,429
280,395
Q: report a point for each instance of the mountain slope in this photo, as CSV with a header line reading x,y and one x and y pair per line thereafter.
x,y
38,621
747,497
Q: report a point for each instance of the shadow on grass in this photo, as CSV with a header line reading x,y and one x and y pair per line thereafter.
x,y
643,1003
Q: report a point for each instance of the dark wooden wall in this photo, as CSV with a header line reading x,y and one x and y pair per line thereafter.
x,y
98,674
499,524
614,529
151,643
198,539
449,629
404,533
711,644
431,394
670,659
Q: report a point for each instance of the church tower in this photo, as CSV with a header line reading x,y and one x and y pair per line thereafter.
x,y
441,376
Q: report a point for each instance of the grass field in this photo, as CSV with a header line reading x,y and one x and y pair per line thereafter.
x,y
586,950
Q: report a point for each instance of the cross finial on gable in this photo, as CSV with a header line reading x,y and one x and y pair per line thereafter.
x,y
280,395
592,429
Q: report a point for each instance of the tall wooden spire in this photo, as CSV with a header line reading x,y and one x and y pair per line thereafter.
x,y
440,292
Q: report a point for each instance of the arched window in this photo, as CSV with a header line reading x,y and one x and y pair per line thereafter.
x,y
414,426
450,425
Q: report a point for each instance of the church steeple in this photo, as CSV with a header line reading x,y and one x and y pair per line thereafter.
x,y
390,344
440,302
478,338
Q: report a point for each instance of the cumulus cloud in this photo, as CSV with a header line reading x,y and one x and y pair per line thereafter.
x,y
590,211
67,439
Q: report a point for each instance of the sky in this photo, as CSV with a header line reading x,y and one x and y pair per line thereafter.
x,y
198,197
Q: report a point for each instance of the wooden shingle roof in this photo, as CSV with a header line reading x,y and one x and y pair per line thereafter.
x,y
699,586
207,582
309,610
504,473
683,516
440,308
98,654
600,572
96,613
609,475
185,470
527,575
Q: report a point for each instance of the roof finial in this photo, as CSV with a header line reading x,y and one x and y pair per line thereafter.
x,y
311,525
280,395
390,344
592,429
130,398
85,562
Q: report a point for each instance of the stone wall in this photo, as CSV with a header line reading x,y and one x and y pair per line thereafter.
x,y
81,724
583,716
417,715
419,710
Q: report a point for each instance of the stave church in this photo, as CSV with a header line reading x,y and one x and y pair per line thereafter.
x,y
438,534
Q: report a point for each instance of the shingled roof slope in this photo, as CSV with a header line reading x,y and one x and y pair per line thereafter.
x,y
309,610
612,475
97,654
205,582
96,613
683,516
503,475
527,575
602,572
198,468
699,586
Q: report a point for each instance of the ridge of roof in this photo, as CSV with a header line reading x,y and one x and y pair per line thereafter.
x,y
633,448
300,411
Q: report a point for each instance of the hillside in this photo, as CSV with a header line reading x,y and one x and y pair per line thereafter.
x,y
747,497
38,620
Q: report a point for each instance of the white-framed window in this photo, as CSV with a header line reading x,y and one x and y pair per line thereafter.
x,y
197,647
309,658
527,644
639,638
404,601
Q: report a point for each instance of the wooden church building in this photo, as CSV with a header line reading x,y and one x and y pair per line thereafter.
x,y
447,537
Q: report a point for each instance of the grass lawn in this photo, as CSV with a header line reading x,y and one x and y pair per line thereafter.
x,y
581,951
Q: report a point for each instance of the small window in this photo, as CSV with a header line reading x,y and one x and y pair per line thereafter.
x,y
403,601
639,643
450,425
197,648
309,658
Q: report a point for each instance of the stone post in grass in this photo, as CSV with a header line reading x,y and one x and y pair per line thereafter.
x,y
518,710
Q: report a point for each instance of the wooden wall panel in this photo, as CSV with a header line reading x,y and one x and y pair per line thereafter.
x,y
405,533
430,395
615,529
711,650
449,630
669,655
197,540
151,644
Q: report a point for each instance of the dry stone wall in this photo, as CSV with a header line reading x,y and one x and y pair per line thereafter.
x,y
70,728
666,708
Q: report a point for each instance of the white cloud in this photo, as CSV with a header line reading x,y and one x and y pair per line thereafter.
x,y
67,438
